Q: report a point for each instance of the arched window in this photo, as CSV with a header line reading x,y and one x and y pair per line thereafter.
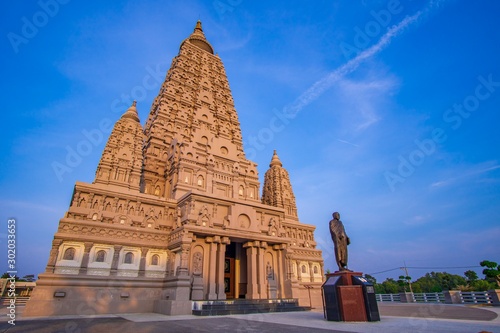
x,y
69,254
100,256
155,260
315,269
200,181
129,258
304,269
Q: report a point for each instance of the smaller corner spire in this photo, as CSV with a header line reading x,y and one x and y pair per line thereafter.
x,y
275,160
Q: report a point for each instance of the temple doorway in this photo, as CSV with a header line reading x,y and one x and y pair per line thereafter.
x,y
235,271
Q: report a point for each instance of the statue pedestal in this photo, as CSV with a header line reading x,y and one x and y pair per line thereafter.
x,y
345,276
347,296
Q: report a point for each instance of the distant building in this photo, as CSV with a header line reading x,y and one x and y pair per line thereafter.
x,y
174,213
22,288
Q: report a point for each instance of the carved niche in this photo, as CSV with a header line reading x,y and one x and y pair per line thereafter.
x,y
198,263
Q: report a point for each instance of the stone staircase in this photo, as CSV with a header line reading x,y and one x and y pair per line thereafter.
x,y
20,301
245,306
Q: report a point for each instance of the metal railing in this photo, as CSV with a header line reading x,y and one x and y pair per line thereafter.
x,y
388,297
429,297
466,297
477,297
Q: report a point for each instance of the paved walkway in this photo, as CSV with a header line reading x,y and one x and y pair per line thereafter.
x,y
395,318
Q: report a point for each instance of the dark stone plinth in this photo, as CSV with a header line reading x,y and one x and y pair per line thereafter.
x,y
347,296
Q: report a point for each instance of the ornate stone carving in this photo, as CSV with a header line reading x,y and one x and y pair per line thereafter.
x,y
204,218
197,263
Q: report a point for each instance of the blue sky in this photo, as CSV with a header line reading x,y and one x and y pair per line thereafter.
x,y
386,111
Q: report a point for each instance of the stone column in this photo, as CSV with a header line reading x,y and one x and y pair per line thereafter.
x,y
237,271
90,203
212,293
281,271
85,259
261,277
54,252
406,297
114,263
252,291
183,269
142,263
495,296
289,265
76,197
221,258
292,285
311,272
452,297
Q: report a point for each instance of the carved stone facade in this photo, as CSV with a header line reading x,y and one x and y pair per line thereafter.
x,y
174,213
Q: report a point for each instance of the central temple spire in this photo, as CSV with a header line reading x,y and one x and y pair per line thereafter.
x,y
198,38
193,136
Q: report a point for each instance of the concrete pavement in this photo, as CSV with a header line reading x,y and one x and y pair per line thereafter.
x,y
395,318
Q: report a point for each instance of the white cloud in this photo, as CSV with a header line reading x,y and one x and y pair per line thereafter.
x,y
467,173
418,220
360,101
339,73
347,142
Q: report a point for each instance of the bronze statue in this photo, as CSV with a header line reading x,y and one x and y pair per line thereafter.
x,y
340,241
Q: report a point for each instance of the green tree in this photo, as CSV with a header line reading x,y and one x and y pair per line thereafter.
x,y
492,270
448,281
404,281
379,289
7,275
390,286
482,285
417,288
438,281
471,276
371,279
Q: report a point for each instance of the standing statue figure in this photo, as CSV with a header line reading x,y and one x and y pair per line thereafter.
x,y
340,241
